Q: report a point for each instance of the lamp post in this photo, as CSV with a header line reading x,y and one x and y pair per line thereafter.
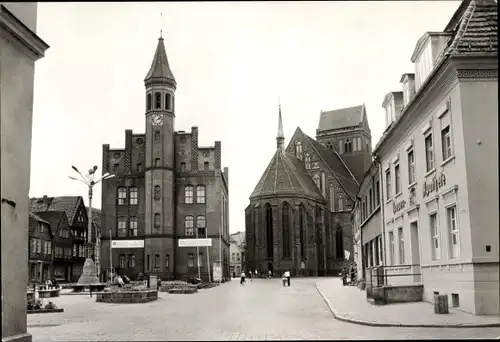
x,y
88,275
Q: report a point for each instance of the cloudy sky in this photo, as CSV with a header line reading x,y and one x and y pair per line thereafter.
x,y
232,61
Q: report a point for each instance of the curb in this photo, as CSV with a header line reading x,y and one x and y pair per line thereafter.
x,y
396,325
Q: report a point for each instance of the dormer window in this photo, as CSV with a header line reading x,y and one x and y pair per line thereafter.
x,y
157,100
148,102
423,66
298,149
408,81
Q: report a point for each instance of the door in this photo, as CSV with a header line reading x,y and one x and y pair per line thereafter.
x,y
415,252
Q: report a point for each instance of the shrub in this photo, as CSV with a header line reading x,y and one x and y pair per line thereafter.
x,y
35,304
50,305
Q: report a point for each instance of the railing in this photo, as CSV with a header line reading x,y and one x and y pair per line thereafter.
x,y
378,275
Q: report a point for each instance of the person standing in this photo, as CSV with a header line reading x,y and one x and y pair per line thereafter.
x,y
344,276
270,274
287,276
256,274
243,276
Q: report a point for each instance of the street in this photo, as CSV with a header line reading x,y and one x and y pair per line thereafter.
x,y
262,309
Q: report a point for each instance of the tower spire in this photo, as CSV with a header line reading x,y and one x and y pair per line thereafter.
x,y
160,72
280,137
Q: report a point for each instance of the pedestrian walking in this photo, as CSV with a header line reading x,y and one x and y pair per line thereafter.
x,y
287,276
269,274
256,274
344,276
243,276
283,279
353,275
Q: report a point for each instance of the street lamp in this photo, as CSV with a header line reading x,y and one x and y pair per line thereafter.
x,y
88,275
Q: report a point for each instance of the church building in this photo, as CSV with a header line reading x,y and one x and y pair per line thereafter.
x,y
299,212
166,188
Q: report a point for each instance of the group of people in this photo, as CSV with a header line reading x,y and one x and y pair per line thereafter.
x,y
350,272
285,276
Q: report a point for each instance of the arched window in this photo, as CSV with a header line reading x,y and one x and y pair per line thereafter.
x,y
298,149
148,102
188,194
189,225
307,160
285,221
200,194
157,192
157,100
133,195
348,146
269,230
302,217
201,225
329,145
122,195
317,180
256,232
339,242
168,103
332,197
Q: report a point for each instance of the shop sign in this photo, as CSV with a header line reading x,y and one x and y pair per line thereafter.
x,y
437,182
398,206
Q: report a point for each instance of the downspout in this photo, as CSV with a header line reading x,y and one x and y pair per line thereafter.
x,y
362,247
382,208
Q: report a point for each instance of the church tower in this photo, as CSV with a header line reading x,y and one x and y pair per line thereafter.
x,y
159,162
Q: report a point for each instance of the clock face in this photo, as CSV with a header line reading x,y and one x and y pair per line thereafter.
x,y
157,119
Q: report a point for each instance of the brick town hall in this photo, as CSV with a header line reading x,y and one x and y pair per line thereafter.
x,y
299,212
166,188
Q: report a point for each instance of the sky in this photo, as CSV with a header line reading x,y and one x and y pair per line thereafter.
x,y
234,62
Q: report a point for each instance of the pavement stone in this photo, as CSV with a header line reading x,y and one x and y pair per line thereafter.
x,y
261,310
349,304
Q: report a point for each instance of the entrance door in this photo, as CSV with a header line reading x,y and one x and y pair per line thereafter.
x,y
415,252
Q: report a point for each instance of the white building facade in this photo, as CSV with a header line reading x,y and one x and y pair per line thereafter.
x,y
439,166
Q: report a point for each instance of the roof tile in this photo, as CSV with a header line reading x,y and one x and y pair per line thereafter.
x,y
340,118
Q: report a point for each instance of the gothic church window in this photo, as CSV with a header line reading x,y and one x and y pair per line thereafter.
x,y
341,204
302,213
157,100
339,242
298,149
149,101
317,180
188,194
157,192
307,160
332,197
341,147
189,225
269,230
347,146
122,196
200,194
285,221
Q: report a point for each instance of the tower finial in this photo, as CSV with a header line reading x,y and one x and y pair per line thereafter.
x,y
161,20
280,137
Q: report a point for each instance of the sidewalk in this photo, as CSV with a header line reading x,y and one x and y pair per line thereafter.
x,y
349,304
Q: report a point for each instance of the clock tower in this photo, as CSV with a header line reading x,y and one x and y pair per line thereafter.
x,y
159,175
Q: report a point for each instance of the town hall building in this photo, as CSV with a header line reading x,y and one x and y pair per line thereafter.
x,y
166,188
299,212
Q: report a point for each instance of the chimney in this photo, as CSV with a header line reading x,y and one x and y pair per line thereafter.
x,y
408,81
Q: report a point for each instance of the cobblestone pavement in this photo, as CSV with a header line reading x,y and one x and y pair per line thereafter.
x,y
260,310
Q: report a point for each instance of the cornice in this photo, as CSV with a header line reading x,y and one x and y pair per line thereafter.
x,y
17,32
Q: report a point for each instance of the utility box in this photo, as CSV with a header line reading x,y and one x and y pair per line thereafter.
x,y
441,304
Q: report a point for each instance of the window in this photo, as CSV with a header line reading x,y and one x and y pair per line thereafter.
x,y
148,102
329,145
370,201
401,246
116,167
200,194
167,261
269,230
339,242
341,204
157,221
188,194
298,149
74,251
148,262
388,184
317,180
206,166
347,146
168,103
200,225
429,153
190,260
397,175
157,162
157,193
233,256
122,196
436,252
183,167
307,159
315,165
411,167
446,142
157,262
200,259
391,246
122,261
285,221
377,193
332,198
238,257
131,260
122,226
157,100
189,225
139,167
132,231
157,135
451,216
133,196
341,147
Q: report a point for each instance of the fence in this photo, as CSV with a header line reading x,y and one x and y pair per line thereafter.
x,y
391,275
